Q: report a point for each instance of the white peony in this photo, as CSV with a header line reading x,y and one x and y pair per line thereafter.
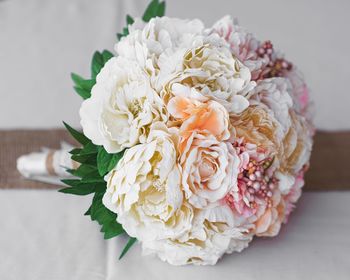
x,y
158,37
242,44
122,106
213,234
275,94
145,189
214,73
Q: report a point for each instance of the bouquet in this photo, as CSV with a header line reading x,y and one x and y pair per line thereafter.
x,y
194,139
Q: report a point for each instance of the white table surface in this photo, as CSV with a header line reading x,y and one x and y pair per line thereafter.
x,y
44,235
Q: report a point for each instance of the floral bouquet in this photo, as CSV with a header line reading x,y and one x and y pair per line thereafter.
x,y
194,139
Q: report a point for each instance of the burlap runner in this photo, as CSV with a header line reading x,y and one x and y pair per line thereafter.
x,y
329,161
14,143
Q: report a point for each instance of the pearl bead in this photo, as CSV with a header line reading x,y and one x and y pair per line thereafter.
x,y
256,185
252,177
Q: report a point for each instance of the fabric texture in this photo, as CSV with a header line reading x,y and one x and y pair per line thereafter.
x,y
328,171
44,235
14,143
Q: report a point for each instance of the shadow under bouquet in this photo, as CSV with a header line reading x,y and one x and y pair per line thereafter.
x,y
194,139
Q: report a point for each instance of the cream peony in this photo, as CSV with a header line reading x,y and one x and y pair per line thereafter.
x,y
242,44
216,75
122,106
275,94
160,43
145,189
212,235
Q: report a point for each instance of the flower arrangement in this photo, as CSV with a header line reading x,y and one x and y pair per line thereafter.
x,y
194,139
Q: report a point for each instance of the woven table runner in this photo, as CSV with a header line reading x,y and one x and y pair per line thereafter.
x,y
329,161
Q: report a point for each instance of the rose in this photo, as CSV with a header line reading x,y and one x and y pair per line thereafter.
x,y
145,189
209,169
209,166
122,106
191,115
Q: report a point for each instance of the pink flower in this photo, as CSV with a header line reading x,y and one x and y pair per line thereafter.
x,y
242,44
257,199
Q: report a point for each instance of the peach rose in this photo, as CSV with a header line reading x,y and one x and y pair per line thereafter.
x,y
192,115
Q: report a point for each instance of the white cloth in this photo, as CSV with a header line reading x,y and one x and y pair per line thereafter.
x,y
44,235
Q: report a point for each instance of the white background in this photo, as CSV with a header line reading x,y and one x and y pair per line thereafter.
x,y
41,42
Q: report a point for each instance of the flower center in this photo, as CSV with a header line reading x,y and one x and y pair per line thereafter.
x,y
255,187
207,169
135,107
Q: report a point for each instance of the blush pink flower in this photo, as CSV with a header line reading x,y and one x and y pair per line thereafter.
x,y
242,44
209,169
256,199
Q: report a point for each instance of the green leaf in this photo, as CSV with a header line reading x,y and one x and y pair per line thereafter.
x,y
86,155
106,55
88,212
75,151
82,83
154,9
82,182
105,217
82,86
87,159
96,64
85,94
80,137
98,61
79,190
83,187
129,20
71,182
89,149
161,9
111,229
127,247
86,171
106,162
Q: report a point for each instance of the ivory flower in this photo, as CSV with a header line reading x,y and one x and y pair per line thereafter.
x,y
122,106
242,44
216,75
159,36
297,145
213,234
275,94
145,189
258,126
